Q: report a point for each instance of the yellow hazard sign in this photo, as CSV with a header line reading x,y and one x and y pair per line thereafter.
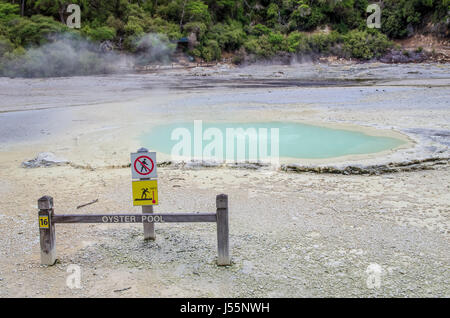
x,y
145,192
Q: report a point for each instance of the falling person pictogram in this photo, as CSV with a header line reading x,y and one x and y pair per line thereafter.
x,y
144,193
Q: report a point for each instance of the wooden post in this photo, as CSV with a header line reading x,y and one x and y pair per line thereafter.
x,y
149,228
46,230
223,244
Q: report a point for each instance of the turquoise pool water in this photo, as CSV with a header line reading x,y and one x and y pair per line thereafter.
x,y
295,140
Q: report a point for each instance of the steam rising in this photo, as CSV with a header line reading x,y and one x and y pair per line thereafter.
x,y
153,48
71,55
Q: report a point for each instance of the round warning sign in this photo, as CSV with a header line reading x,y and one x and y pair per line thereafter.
x,y
143,165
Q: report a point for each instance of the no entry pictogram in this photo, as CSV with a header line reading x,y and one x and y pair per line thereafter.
x,y
143,165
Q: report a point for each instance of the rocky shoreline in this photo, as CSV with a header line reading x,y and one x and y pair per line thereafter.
x,y
397,167
394,56
414,165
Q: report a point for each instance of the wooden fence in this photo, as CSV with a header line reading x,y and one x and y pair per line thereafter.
x,y
48,219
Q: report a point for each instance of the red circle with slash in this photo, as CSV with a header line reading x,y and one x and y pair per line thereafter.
x,y
140,159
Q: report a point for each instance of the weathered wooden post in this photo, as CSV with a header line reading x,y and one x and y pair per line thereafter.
x,y
149,228
223,244
46,230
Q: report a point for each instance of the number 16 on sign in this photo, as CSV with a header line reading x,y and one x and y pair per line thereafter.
x,y
43,222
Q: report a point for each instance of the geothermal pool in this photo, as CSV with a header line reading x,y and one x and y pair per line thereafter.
x,y
295,140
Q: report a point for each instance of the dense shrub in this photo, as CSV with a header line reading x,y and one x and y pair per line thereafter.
x,y
8,12
197,11
366,45
99,34
199,28
230,37
401,16
5,45
35,30
211,51
160,26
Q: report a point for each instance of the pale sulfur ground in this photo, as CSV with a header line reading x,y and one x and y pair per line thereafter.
x,y
292,234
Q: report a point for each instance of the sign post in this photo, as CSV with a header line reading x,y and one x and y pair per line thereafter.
x,y
46,230
143,167
223,244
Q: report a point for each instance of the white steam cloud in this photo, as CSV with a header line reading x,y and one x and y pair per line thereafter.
x,y
71,55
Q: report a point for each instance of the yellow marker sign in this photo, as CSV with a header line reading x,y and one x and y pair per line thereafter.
x,y
43,222
145,192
